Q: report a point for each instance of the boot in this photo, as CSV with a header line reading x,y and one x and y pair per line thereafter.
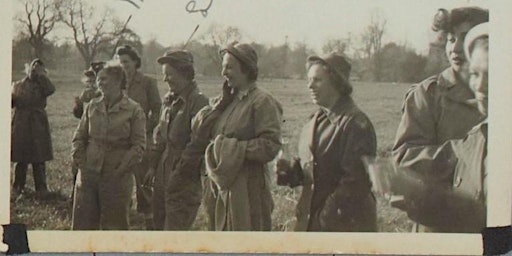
x,y
148,218
20,178
40,178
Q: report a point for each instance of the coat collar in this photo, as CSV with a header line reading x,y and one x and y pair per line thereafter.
x,y
453,88
183,96
136,79
342,105
101,105
242,94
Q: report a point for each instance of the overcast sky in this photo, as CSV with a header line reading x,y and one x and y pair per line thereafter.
x,y
270,21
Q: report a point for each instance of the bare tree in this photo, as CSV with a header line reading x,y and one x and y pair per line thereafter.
x,y
216,37
335,45
220,35
92,34
38,19
371,41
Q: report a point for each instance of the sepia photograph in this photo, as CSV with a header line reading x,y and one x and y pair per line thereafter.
x,y
335,126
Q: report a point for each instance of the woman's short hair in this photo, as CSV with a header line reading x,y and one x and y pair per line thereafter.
x,y
130,51
445,21
116,71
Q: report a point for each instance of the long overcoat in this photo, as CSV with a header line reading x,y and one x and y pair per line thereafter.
x,y
30,130
253,118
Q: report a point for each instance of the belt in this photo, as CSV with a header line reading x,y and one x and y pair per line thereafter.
x,y
111,145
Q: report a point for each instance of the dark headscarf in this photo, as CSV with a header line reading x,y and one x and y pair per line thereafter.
x,y
246,55
339,68
181,60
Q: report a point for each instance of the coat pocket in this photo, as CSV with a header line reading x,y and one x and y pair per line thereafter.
x,y
93,157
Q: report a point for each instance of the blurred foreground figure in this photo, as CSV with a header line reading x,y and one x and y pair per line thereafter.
x,y
174,165
30,129
109,140
336,193
438,110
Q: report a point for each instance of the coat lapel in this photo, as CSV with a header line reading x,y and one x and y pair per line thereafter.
x,y
454,89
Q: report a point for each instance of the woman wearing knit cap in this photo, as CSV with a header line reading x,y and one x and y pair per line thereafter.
x,y
336,193
245,137
143,90
30,130
437,110
175,165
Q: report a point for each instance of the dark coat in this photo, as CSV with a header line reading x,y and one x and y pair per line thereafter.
x,y
30,134
437,110
458,206
177,188
336,193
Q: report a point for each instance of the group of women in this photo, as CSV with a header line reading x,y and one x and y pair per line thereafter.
x,y
233,137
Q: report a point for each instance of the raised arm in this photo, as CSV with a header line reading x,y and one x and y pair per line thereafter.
x,y
47,87
80,140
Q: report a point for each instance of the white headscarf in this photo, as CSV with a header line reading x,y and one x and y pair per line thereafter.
x,y
478,31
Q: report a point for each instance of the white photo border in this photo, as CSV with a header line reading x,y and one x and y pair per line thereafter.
x,y
499,205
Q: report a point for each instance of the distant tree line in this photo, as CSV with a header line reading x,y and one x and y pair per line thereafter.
x,y
94,35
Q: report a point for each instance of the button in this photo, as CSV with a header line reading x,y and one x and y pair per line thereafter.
x,y
312,186
457,181
315,163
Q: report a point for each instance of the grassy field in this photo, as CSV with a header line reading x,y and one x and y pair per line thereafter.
x,y
381,101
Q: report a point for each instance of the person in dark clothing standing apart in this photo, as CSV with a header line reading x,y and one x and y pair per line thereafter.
x,y
30,134
336,193
143,90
